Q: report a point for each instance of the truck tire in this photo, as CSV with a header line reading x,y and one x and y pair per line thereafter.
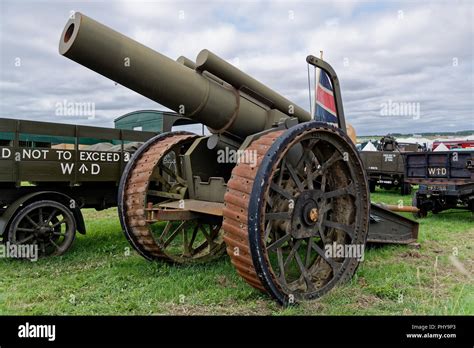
x,y
46,224
372,184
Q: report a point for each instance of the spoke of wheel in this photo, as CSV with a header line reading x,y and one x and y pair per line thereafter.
x,y
323,182
348,190
57,246
283,215
304,273
325,208
51,216
307,259
348,229
165,230
282,170
336,156
23,229
193,237
210,242
279,242
173,235
309,175
268,229
269,200
173,174
294,176
24,239
215,231
40,215
311,144
292,253
58,223
281,191
185,243
334,265
281,266
31,221
303,157
59,234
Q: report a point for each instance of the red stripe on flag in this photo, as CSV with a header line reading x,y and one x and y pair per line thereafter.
x,y
326,99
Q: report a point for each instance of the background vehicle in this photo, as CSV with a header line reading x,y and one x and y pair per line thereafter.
x,y
386,166
49,171
445,179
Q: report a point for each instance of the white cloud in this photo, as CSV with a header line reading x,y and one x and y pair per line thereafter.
x,y
391,55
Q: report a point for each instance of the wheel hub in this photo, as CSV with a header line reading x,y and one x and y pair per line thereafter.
x,y
313,214
306,214
44,230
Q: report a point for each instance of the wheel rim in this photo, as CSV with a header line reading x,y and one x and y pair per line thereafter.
x,y
156,179
51,228
275,208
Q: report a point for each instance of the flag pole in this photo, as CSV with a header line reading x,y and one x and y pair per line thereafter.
x,y
316,82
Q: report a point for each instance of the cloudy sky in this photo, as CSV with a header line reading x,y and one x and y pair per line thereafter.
x,y
404,66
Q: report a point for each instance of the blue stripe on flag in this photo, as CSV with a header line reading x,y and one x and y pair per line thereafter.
x,y
324,80
323,115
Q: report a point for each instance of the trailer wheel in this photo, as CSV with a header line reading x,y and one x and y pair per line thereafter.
x,y
372,184
47,224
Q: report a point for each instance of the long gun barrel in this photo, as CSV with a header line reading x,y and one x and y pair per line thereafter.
x,y
241,106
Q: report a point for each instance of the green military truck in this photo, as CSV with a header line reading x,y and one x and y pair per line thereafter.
x,y
49,171
386,166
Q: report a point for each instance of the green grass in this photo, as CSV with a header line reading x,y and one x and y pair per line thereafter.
x,y
101,274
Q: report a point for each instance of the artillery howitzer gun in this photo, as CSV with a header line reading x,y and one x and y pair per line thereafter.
x,y
297,187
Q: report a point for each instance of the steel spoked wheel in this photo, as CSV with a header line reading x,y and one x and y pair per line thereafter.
x,y
48,225
151,206
189,241
308,213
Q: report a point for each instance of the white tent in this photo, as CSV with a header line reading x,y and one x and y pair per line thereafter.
x,y
369,147
441,147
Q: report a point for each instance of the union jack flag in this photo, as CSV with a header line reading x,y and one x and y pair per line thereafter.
x,y
325,108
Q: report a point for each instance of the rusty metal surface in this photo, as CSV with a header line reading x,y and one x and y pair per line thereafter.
x,y
193,205
440,181
158,214
403,209
235,212
136,192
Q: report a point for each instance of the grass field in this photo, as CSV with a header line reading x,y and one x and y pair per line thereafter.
x,y
102,275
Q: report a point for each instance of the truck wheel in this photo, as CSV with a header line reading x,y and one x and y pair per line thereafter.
x,y
372,185
405,188
49,225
